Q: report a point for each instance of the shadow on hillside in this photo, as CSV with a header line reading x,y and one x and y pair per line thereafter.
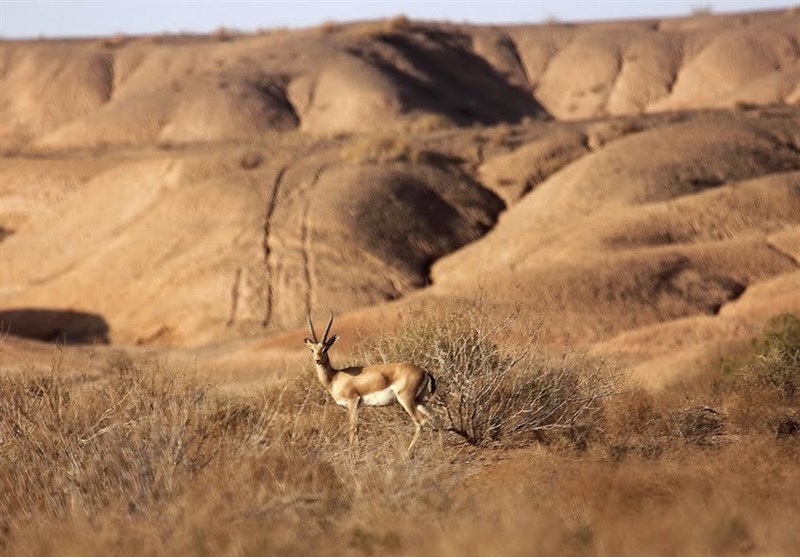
x,y
449,78
53,325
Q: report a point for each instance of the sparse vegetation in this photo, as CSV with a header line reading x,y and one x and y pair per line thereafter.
x,y
389,26
753,395
147,461
701,10
774,363
744,106
115,41
329,27
250,160
195,194
381,149
764,384
224,34
397,23
428,123
601,133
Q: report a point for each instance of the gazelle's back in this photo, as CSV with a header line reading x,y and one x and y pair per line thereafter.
x,y
362,380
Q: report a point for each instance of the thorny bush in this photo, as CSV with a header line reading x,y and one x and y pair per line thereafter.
x,y
486,392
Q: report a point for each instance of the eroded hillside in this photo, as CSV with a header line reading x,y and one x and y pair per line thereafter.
x,y
635,186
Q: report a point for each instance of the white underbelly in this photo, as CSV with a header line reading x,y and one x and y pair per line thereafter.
x,y
379,398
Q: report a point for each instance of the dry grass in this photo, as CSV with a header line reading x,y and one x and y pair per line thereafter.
x,y
372,29
398,22
701,10
329,27
225,34
251,160
381,149
602,133
428,123
738,500
147,461
117,40
763,387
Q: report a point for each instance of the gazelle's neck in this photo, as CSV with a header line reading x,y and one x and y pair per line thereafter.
x,y
325,371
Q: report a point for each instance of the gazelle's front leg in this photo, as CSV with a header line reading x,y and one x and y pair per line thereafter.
x,y
353,410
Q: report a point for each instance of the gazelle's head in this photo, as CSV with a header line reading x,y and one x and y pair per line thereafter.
x,y
319,348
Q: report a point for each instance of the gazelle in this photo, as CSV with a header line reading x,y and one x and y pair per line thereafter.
x,y
374,385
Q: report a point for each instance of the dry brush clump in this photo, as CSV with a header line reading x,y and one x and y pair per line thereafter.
x,y
486,392
764,385
755,395
376,29
134,439
378,148
428,123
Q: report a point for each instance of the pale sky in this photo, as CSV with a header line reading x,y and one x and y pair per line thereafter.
x,y
70,18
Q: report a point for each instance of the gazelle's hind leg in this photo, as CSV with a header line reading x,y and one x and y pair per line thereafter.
x,y
353,411
430,415
411,409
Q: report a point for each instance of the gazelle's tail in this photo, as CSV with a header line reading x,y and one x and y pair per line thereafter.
x,y
431,383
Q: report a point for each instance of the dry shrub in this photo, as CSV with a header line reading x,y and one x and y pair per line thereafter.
x,y
136,439
429,123
701,425
637,425
502,136
250,160
744,106
774,365
601,133
381,149
224,34
487,393
376,29
701,10
759,394
642,424
117,40
329,27
764,385
398,22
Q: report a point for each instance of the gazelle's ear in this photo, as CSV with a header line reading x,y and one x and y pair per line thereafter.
x,y
308,343
331,340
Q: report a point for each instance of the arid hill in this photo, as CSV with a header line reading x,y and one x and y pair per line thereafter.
x,y
634,186
588,234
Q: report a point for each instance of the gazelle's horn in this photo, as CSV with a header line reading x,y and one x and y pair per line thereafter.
x,y
327,329
311,328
